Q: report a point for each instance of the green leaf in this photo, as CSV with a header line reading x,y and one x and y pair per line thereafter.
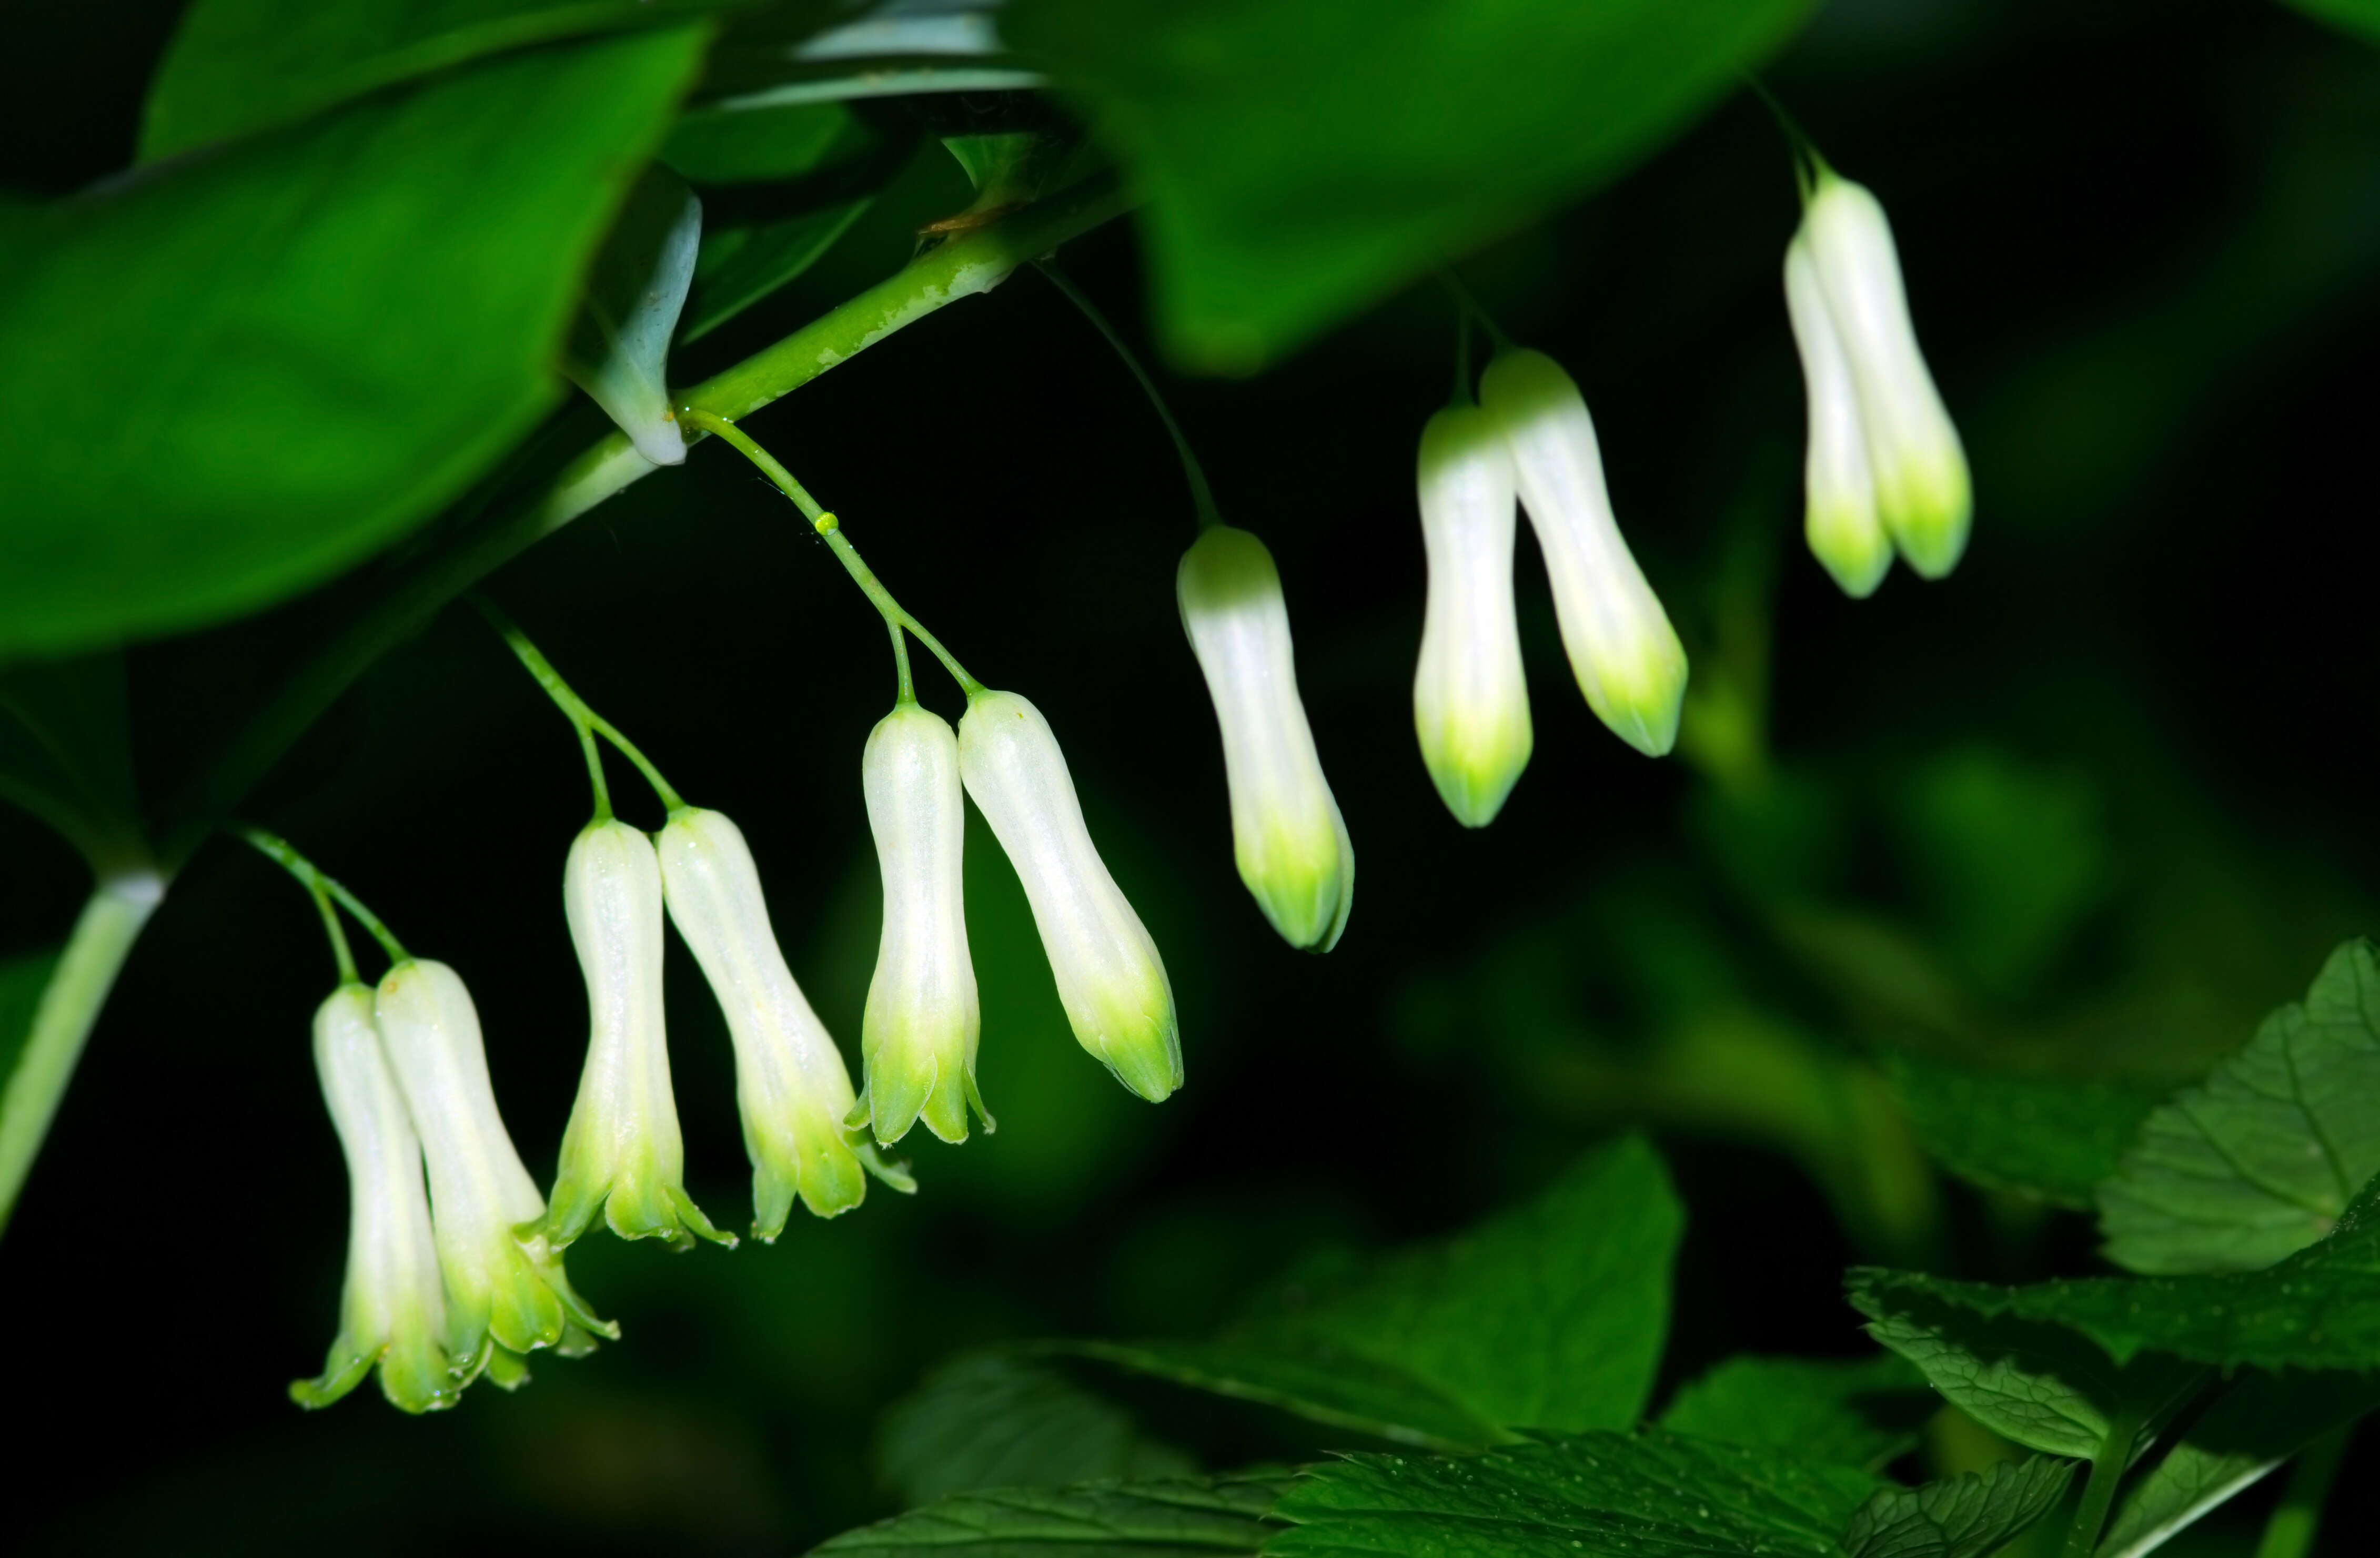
x,y
1304,158
238,66
993,1420
1187,1517
1599,1495
230,377
2250,1426
66,755
2028,1380
1966,1516
2359,16
1552,1315
2050,1139
1860,1412
2259,1163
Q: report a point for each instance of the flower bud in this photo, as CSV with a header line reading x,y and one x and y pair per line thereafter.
x,y
1839,519
619,351
920,1031
1109,978
1287,835
1913,454
790,1081
1627,658
504,1283
1471,702
622,1153
393,1310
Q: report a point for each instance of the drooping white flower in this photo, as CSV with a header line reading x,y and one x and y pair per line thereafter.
x,y
1471,700
920,1031
504,1281
1918,467
1287,835
393,1308
619,353
1109,978
790,1081
622,1153
1839,520
1626,656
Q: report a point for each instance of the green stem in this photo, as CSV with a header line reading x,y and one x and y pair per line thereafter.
x,y
959,269
1461,395
315,880
2291,1531
573,708
70,1002
1471,307
829,527
2107,1468
1807,165
1202,497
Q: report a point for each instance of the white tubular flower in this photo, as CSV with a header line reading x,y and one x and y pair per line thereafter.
x,y
1109,978
1845,533
619,353
1471,702
922,1020
1627,658
504,1283
1923,494
790,1081
1287,835
393,1310
622,1153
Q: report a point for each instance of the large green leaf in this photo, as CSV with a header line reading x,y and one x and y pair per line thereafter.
x,y
1186,1519
994,1420
2259,1163
2032,1382
2050,1139
230,377
1303,158
2359,16
1860,1412
1971,1516
65,755
238,67
1599,1495
1552,1315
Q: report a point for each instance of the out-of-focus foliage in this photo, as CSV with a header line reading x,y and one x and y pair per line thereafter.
x,y
1860,1412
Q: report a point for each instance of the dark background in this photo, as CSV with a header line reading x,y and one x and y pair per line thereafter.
x,y
2139,239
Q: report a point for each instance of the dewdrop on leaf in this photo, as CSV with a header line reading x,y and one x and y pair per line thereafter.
x,y
1625,654
1471,700
1287,835
619,351
622,1153
920,1031
504,1282
1915,459
393,1308
1110,980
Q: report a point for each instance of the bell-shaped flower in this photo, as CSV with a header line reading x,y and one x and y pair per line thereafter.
x,y
920,1031
790,1081
393,1310
504,1282
1626,656
1915,459
1287,835
1471,702
619,351
1110,980
621,1154
1845,533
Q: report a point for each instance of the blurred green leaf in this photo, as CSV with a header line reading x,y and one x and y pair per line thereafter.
x,y
238,66
65,755
1599,1495
2360,17
2251,1425
2260,1161
22,980
1303,158
2052,1138
1552,1315
770,145
994,1420
2029,1381
230,377
739,266
1970,1515
1188,1516
1860,1412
